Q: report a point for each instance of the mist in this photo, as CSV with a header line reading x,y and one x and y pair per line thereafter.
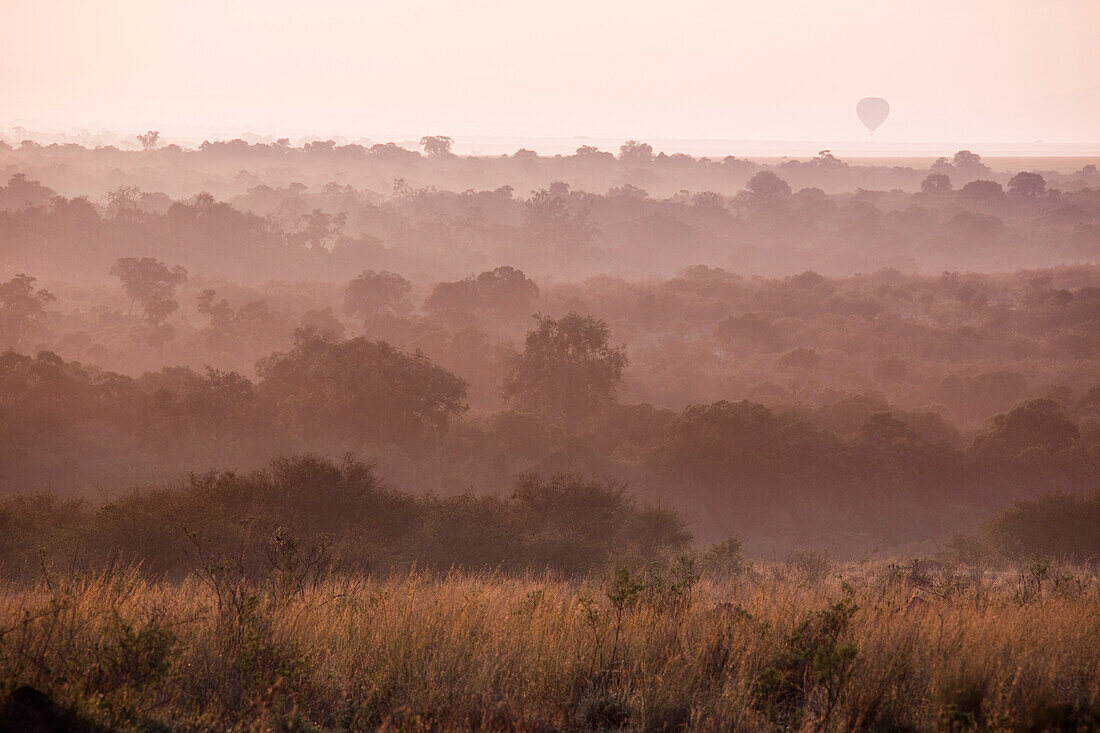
x,y
595,367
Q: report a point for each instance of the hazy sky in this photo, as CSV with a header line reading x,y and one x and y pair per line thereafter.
x,y
952,70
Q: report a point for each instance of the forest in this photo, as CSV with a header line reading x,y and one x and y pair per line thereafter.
x,y
854,406
742,424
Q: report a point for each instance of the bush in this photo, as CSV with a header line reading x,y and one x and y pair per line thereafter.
x,y
814,661
1065,526
306,512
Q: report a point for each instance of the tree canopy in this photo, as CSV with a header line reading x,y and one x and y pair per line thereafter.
x,y
568,368
366,391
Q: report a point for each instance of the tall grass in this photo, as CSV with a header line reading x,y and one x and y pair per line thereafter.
x,y
796,646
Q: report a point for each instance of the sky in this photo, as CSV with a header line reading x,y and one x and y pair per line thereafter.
x,y
960,71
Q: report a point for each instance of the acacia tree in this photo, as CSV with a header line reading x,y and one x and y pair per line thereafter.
x,y
22,307
567,369
149,140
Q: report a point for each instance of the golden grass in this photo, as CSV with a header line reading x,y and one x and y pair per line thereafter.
x,y
939,651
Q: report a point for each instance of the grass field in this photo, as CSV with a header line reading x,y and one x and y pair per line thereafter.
x,y
802,645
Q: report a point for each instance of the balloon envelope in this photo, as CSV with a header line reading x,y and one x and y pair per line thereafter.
x,y
872,111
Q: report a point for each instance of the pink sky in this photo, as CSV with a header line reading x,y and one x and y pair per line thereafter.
x,y
958,70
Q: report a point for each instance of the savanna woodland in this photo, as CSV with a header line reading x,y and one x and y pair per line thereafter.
x,y
333,436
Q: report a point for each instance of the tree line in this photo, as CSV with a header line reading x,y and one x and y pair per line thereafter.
x,y
738,463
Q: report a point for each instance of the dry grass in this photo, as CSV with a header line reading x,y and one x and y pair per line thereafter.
x,y
785,646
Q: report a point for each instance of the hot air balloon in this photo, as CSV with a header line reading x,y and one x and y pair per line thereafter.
x,y
872,112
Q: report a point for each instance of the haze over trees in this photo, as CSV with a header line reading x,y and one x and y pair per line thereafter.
x,y
624,404
412,399
640,214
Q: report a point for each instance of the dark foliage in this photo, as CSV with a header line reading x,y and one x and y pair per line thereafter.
x,y
338,513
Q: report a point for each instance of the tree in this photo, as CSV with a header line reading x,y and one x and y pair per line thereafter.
x,y
982,190
437,146
221,334
573,523
766,188
942,165
633,151
969,164
1052,525
567,369
750,331
21,192
149,140
591,152
550,222
883,429
219,312
460,295
323,322
124,201
319,229
827,161
319,146
1027,185
813,203
359,391
22,307
723,441
151,283
159,310
371,292
1032,424
504,289
936,183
